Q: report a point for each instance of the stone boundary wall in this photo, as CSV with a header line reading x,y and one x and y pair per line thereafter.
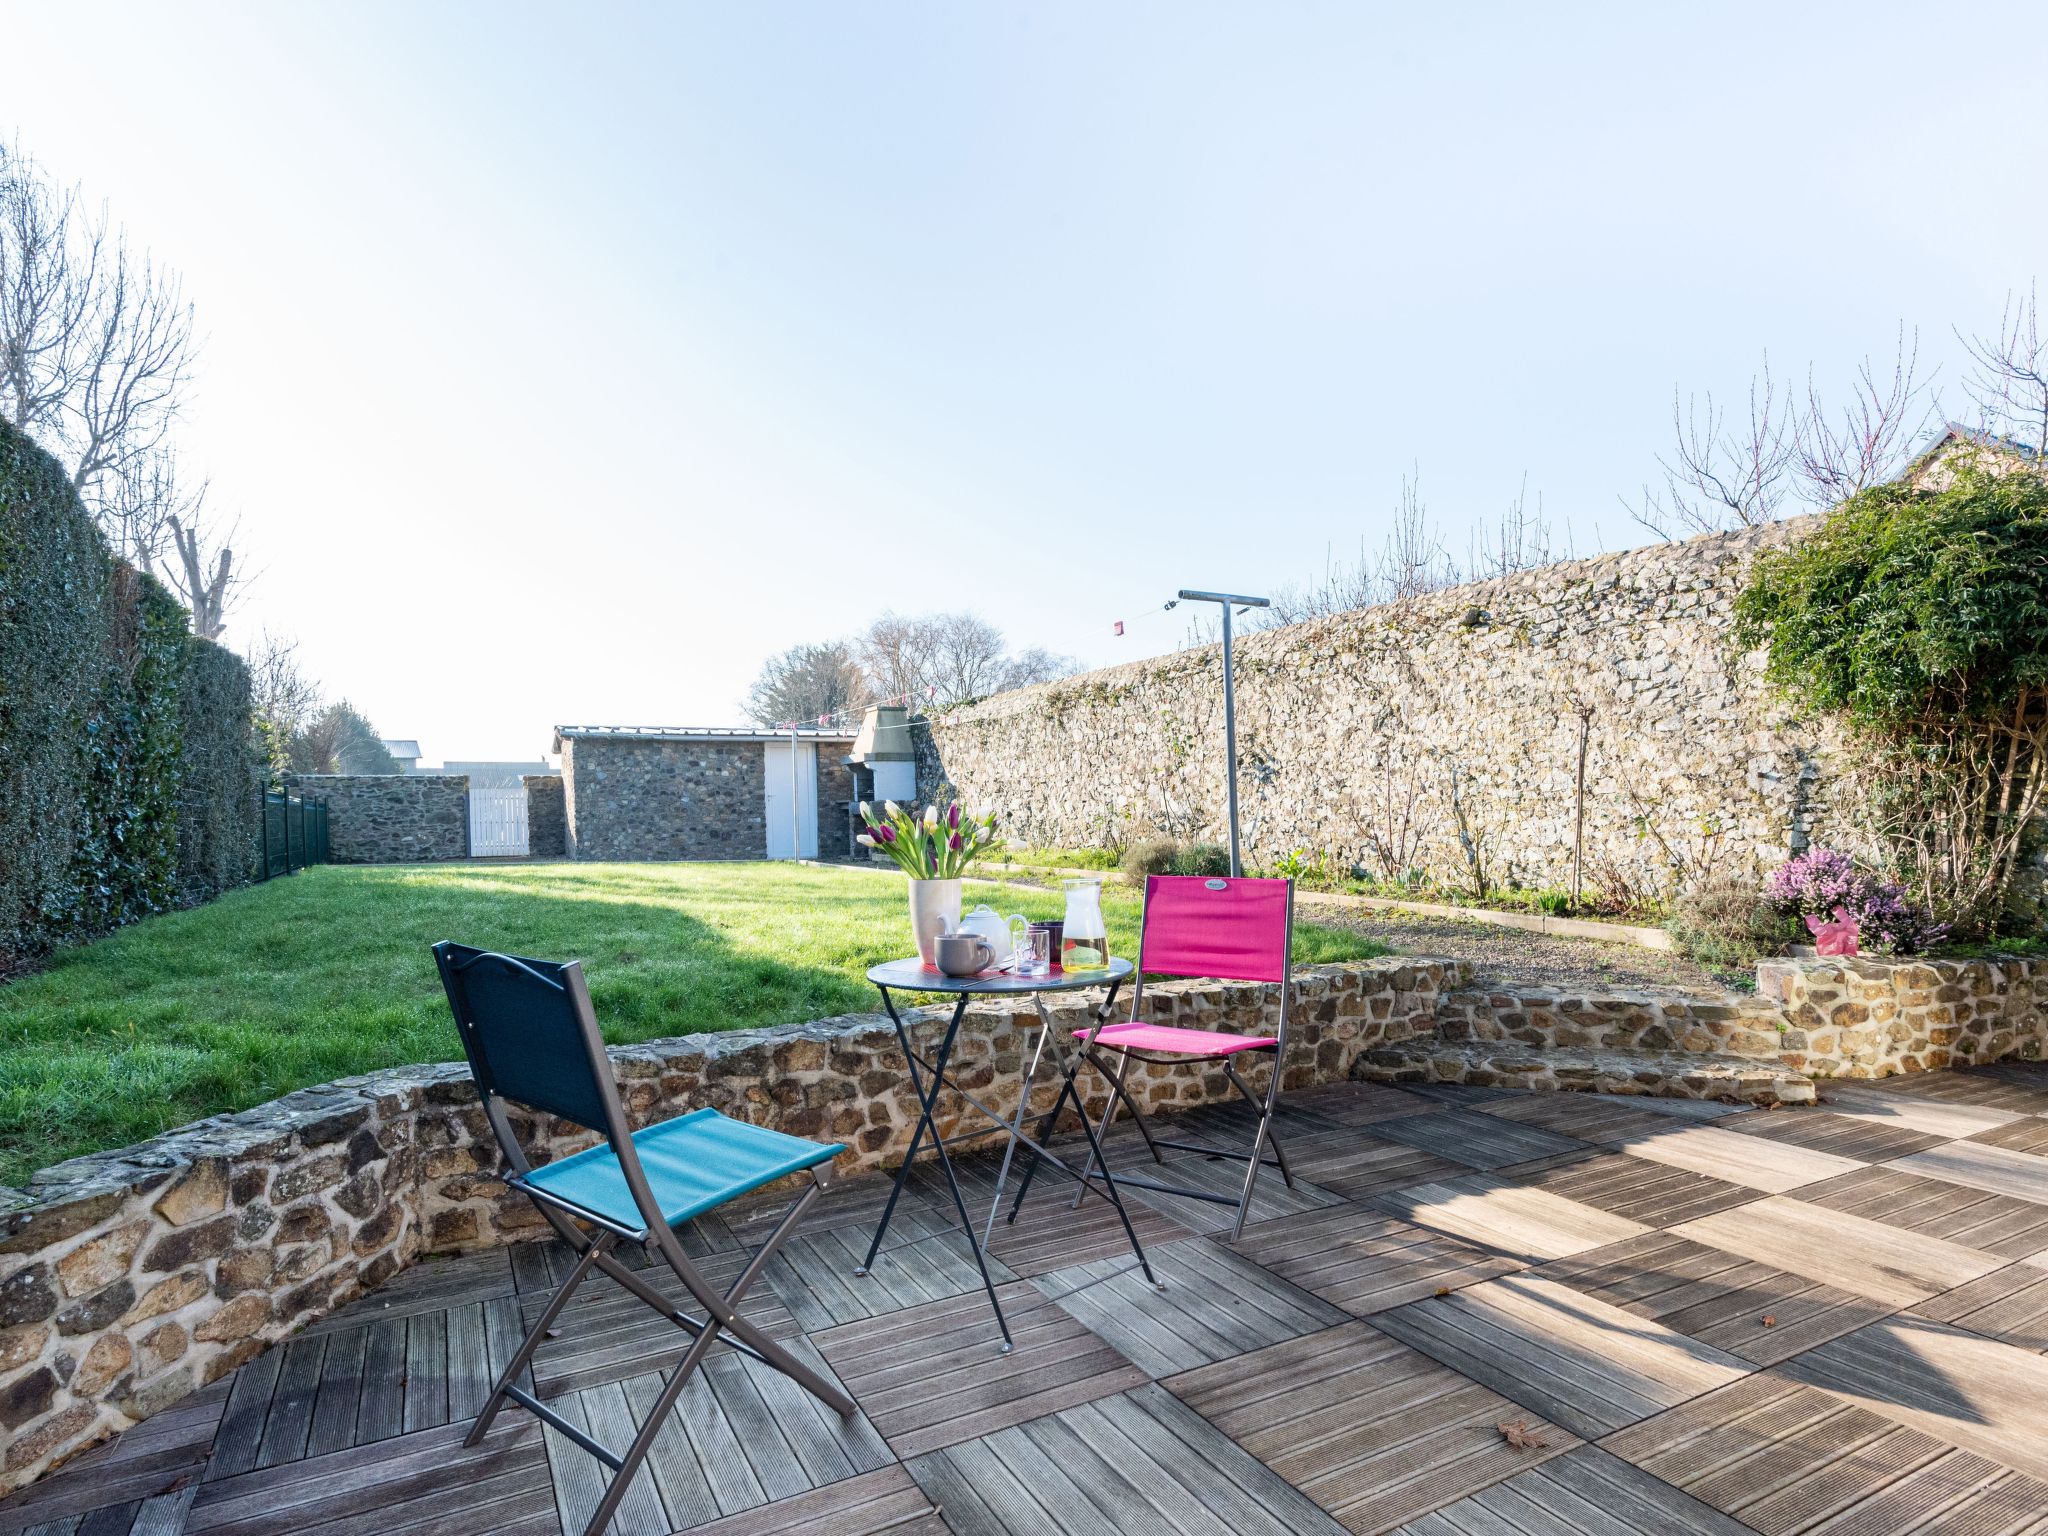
x,y
393,818
132,1277
547,816
1441,734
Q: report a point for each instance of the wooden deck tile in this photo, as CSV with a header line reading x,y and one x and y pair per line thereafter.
x,y
1887,1264
1360,1165
1998,1224
1912,1112
2024,1093
1862,1137
1214,1305
1372,1430
1719,1153
2000,1170
1223,1176
1352,1104
1597,1116
885,1502
165,1450
1751,1310
1581,1363
1365,1260
607,1334
1639,1190
429,1286
1585,1492
2010,1305
422,1482
925,1258
932,1376
1130,1465
1047,1234
1785,1458
742,1435
1965,1389
1479,1140
1505,1218
2018,1136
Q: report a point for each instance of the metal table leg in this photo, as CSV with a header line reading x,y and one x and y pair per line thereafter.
x,y
928,1102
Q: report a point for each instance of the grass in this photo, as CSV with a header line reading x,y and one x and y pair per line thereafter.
x,y
327,974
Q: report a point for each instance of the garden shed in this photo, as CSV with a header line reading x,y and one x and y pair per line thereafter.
x,y
705,792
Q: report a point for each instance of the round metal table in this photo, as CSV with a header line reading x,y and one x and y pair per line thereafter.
x,y
912,975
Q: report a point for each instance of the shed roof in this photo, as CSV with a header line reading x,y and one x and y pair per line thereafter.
x,y
741,733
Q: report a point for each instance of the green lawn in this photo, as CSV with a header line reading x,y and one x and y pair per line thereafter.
x,y
327,973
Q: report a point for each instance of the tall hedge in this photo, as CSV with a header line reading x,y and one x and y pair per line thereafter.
x,y
124,743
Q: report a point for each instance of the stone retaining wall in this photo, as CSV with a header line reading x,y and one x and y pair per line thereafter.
x,y
393,818
130,1278
547,826
1875,1018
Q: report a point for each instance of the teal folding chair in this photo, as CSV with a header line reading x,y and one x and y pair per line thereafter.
x,y
532,1039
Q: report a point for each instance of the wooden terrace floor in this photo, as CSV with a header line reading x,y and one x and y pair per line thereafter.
x,y
1481,1314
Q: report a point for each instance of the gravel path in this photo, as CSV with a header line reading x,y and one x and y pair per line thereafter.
x,y
1511,957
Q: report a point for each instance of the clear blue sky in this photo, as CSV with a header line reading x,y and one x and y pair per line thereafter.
x,y
564,361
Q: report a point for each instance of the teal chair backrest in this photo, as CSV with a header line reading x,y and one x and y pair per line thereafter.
x,y
527,1031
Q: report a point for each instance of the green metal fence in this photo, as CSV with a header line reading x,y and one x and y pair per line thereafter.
x,y
294,833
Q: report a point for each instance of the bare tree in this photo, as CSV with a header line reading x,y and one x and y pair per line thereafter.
x,y
895,655
282,697
1722,474
134,362
2009,377
1521,541
96,352
50,257
805,682
1413,561
1866,443
1037,665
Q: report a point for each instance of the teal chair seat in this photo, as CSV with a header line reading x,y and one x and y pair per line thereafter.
x,y
693,1163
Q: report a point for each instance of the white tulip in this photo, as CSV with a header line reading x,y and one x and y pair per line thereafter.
x,y
891,808
865,841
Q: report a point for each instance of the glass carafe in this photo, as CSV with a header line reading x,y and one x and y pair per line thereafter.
x,y
1084,940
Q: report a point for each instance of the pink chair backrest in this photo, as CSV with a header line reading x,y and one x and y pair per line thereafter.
x,y
1231,930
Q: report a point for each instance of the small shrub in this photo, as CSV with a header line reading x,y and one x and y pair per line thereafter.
x,y
1725,924
1553,901
1820,881
1202,859
1151,856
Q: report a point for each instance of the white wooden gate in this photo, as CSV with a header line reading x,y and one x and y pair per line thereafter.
x,y
497,820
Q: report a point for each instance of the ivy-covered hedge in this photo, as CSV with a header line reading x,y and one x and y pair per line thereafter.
x,y
124,743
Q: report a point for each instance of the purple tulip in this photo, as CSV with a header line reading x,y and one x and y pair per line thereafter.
x,y
886,834
953,842
953,814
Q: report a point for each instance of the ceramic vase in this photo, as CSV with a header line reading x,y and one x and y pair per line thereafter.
x,y
934,909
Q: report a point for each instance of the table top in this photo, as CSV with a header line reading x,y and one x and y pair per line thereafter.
x,y
912,976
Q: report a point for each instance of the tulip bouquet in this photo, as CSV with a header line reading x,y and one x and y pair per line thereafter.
x,y
935,846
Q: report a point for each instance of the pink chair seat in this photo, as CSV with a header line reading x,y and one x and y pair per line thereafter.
x,y
1178,1042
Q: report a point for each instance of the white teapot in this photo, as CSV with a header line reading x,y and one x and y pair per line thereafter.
x,y
994,927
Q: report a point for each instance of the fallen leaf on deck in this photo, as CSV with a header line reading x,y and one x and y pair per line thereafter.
x,y
1518,1434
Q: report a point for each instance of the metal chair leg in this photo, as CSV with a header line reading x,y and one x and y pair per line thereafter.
x,y
522,1357
1265,1111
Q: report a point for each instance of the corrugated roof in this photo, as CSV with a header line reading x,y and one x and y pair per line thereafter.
x,y
692,733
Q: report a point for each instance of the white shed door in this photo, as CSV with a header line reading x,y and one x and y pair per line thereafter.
x,y
800,840
497,820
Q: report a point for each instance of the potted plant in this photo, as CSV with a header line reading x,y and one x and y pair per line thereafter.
x,y
933,849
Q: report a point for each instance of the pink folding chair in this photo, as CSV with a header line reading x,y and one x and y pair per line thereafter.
x,y
1221,930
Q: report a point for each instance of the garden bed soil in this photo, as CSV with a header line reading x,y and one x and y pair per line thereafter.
x,y
1514,957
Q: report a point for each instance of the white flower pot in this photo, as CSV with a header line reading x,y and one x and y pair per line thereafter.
x,y
934,909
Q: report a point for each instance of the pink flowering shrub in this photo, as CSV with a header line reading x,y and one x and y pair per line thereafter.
x,y
1821,882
